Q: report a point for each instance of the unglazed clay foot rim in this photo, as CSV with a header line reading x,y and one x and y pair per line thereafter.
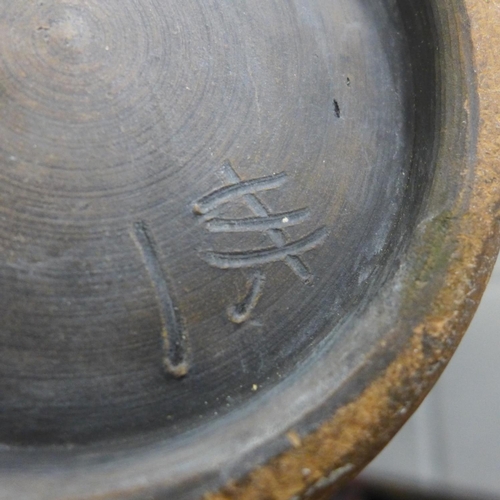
x,y
359,428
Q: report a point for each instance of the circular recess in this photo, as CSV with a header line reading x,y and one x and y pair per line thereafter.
x,y
224,224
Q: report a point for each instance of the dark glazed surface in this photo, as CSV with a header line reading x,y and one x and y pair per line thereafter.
x,y
121,125
239,240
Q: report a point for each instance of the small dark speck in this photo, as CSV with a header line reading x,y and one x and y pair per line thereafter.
x,y
348,81
337,108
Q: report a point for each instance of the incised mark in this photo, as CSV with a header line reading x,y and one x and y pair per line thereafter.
x,y
252,258
237,190
239,313
273,225
173,333
277,221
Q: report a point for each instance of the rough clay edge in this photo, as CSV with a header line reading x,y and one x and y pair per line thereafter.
x,y
343,445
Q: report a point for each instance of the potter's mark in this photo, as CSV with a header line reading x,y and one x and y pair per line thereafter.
x,y
253,258
278,221
237,189
262,220
239,313
173,333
